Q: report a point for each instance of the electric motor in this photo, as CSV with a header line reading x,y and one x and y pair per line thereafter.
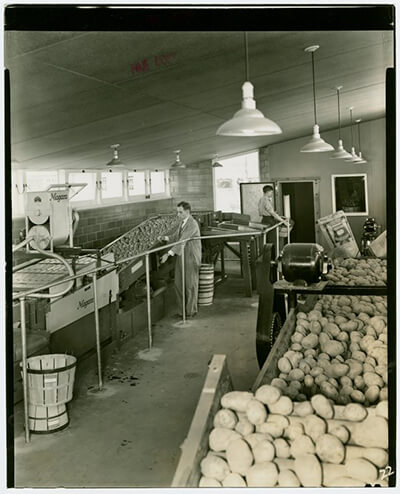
x,y
305,262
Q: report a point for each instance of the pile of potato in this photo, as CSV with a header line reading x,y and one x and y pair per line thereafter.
x,y
339,349
266,440
363,271
142,237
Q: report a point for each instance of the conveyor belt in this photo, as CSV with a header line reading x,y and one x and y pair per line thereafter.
x,y
142,237
46,271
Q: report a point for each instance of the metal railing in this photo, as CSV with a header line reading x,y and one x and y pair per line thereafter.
x,y
22,296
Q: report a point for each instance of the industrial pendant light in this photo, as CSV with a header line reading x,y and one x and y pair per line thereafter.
x,y
340,152
178,163
354,158
248,121
215,162
316,143
115,162
363,160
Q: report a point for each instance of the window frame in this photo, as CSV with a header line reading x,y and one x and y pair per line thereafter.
x,y
25,176
166,183
88,203
19,182
138,197
222,158
106,201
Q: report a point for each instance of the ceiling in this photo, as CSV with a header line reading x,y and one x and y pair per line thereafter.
x,y
73,94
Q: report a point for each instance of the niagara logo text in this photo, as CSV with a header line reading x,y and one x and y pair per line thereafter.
x,y
82,304
59,197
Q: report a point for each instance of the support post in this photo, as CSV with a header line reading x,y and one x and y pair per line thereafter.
x,y
183,284
222,253
253,258
148,300
246,267
97,325
292,299
24,369
277,241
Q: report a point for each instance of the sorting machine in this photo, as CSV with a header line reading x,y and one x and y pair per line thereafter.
x,y
61,318
69,312
302,270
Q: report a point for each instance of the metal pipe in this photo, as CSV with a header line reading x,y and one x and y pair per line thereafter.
x,y
147,262
24,370
97,325
183,284
69,269
21,244
277,242
288,231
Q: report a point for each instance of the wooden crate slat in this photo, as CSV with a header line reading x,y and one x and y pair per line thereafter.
x,y
195,446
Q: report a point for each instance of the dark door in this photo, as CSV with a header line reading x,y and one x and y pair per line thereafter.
x,y
301,210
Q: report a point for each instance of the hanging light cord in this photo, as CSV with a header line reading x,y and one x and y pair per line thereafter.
x,y
351,127
338,110
313,78
246,50
359,139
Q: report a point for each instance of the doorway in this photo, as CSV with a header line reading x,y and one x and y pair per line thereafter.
x,y
304,207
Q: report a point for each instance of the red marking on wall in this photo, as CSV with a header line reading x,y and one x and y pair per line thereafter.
x,y
147,64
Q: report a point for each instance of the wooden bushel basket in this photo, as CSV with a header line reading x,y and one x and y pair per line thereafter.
x,y
45,420
50,379
206,284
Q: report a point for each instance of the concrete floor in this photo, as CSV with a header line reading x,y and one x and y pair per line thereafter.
x,y
129,434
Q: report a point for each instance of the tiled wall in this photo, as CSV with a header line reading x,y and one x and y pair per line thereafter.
x,y
99,226
265,174
193,184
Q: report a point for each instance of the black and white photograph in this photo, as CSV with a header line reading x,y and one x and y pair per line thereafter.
x,y
350,194
200,247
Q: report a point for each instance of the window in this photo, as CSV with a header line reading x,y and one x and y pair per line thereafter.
x,y
242,168
38,181
116,186
111,185
136,184
157,182
88,193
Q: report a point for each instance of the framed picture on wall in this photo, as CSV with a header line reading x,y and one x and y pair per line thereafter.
x,y
350,194
250,194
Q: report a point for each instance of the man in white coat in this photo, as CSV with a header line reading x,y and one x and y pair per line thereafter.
x,y
188,228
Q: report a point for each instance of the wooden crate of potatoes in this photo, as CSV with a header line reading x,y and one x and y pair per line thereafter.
x,y
318,411
264,439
